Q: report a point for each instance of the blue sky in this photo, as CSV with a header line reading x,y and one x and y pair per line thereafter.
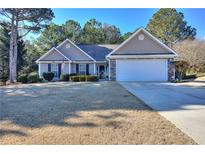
x,y
127,19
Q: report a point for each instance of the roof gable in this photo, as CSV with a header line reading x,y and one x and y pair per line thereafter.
x,y
73,52
53,55
142,42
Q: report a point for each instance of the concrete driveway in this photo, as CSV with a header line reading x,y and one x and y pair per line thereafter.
x,y
182,104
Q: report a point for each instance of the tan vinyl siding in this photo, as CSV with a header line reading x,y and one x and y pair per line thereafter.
x,y
43,68
53,55
147,45
73,53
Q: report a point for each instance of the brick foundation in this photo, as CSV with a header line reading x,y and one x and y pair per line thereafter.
x,y
112,69
171,70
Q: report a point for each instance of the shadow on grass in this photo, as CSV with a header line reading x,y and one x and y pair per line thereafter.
x,y
36,106
11,132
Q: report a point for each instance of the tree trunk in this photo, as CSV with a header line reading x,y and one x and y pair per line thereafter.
x,y
13,49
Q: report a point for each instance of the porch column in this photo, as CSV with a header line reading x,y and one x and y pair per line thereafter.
x,y
109,69
94,68
39,69
69,68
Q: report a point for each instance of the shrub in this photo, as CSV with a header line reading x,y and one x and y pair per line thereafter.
x,y
192,76
22,78
73,74
41,80
33,77
64,77
92,78
78,78
82,78
48,76
181,69
26,70
3,78
75,78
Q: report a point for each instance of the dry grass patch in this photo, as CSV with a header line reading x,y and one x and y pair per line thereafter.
x,y
87,113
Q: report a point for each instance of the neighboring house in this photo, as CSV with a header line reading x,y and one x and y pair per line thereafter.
x,y
142,57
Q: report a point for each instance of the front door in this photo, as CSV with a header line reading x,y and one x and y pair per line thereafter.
x,y
102,71
54,69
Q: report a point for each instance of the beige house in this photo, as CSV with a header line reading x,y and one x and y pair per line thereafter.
x,y
142,57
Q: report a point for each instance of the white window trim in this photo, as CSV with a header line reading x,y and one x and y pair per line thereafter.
x,y
82,70
54,69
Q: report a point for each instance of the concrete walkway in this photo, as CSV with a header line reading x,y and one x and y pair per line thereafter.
x,y
183,105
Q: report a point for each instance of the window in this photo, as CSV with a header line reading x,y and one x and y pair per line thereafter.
x,y
67,45
141,37
82,69
54,69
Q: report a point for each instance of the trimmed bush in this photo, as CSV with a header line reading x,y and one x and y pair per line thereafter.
x,y
33,77
75,78
64,77
78,78
92,78
22,78
48,76
82,78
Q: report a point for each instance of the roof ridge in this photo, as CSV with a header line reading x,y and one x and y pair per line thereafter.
x,y
98,44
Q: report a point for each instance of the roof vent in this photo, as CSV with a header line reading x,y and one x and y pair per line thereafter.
x,y
67,45
141,37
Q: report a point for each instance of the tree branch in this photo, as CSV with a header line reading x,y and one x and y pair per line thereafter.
x,y
21,18
30,30
5,14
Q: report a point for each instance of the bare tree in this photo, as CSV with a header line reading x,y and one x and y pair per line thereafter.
x,y
192,52
21,22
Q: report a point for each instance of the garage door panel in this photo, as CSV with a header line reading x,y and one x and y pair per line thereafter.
x,y
141,70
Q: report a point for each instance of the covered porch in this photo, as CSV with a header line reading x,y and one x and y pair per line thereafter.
x,y
75,67
102,70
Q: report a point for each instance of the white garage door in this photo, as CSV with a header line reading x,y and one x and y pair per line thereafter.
x,y
141,70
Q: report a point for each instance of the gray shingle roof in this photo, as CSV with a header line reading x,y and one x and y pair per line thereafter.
x,y
98,51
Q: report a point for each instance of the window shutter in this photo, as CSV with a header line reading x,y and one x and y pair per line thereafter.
x,y
49,67
59,70
87,69
77,68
